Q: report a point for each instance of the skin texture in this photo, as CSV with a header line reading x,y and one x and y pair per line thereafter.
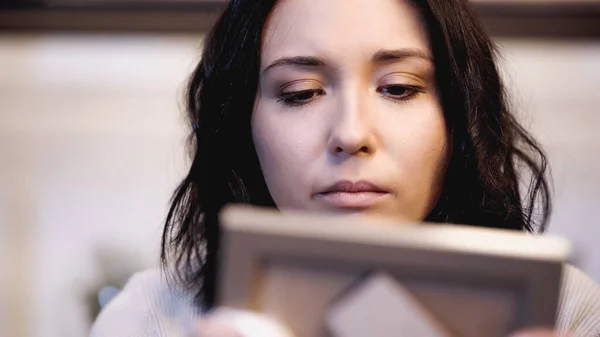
x,y
359,112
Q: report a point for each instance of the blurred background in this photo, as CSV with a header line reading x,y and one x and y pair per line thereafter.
x,y
92,137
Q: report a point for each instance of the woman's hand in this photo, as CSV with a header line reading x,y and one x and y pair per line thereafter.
x,y
225,322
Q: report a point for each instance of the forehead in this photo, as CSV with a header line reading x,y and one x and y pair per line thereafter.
x,y
341,28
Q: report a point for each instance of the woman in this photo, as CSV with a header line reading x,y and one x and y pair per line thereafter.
x,y
389,107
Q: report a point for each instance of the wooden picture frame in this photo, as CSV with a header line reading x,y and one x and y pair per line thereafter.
x,y
267,258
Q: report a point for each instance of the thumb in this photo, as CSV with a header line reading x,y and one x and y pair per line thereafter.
x,y
226,322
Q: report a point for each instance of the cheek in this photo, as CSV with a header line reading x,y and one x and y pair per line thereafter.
x,y
420,147
434,155
427,143
417,135
285,148
277,143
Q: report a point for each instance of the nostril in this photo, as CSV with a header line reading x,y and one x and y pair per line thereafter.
x,y
362,149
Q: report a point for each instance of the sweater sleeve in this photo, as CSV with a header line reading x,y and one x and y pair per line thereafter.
x,y
579,306
147,307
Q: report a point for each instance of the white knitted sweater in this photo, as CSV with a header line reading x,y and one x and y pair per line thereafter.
x,y
147,307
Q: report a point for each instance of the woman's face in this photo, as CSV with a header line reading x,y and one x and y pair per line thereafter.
x,y
347,118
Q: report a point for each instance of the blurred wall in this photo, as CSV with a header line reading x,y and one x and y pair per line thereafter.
x,y
91,146
555,87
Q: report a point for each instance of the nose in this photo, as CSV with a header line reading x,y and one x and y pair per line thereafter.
x,y
351,132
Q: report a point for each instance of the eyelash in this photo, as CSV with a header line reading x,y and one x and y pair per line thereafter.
x,y
412,92
294,98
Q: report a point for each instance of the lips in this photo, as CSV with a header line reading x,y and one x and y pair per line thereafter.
x,y
348,194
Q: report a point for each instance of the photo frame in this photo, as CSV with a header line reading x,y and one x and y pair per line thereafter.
x,y
474,281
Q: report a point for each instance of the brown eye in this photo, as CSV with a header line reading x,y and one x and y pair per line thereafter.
x,y
398,92
301,97
305,95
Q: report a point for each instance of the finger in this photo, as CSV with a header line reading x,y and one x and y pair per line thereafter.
x,y
249,324
208,328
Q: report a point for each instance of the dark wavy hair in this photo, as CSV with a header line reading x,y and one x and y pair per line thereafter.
x,y
496,176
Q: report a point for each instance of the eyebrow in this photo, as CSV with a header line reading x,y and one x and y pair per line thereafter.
x,y
378,57
301,61
400,54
